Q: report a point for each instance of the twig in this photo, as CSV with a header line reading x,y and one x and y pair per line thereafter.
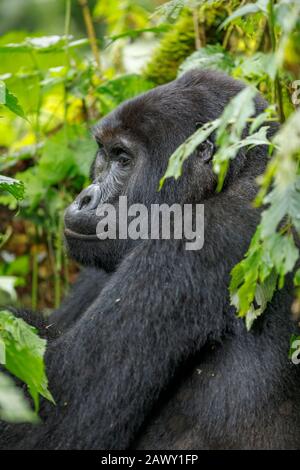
x,y
277,83
67,32
35,278
90,30
196,29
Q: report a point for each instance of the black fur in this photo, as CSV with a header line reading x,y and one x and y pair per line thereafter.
x,y
153,356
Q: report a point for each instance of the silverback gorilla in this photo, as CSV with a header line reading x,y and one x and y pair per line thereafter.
x,y
147,352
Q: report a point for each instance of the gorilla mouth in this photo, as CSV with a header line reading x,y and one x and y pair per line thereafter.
x,y
80,236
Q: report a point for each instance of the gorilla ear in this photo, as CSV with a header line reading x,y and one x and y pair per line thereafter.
x,y
205,151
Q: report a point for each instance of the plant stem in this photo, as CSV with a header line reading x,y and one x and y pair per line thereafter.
x,y
227,36
34,282
277,83
67,32
37,124
196,29
279,98
90,30
58,263
67,19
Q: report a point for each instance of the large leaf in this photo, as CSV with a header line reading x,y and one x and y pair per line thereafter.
x,y
24,355
249,8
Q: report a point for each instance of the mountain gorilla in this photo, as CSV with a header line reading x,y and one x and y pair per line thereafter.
x,y
152,355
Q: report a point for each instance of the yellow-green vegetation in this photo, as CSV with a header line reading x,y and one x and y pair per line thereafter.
x,y
174,48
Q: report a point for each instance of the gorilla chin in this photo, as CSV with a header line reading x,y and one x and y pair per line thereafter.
x,y
90,251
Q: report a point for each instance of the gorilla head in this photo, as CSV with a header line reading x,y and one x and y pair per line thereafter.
x,y
135,142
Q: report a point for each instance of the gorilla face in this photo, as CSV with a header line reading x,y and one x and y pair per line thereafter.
x,y
111,172
135,142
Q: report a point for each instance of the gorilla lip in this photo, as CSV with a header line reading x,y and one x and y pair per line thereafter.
x,y
81,236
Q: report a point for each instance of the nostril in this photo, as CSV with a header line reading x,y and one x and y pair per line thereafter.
x,y
85,201
89,198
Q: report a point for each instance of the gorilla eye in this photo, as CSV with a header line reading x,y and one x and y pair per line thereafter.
x,y
117,151
121,156
99,143
124,160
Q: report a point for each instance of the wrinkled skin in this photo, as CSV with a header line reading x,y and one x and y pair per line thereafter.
x,y
151,355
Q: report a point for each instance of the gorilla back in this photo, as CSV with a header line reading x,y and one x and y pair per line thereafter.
x,y
157,359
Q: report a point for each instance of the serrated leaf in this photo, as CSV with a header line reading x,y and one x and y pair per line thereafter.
x,y
209,57
250,8
233,121
177,159
170,10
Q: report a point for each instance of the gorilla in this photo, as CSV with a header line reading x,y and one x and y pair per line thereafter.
x,y
148,353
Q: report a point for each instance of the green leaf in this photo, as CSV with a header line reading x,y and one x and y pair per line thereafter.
x,y
177,159
263,294
25,351
233,121
250,8
13,405
282,202
209,57
297,278
13,186
43,44
170,10
230,127
256,67
10,101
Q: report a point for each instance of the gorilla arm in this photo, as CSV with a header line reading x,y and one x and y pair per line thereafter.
x,y
86,288
158,309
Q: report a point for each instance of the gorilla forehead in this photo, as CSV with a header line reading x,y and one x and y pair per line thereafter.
x,y
196,97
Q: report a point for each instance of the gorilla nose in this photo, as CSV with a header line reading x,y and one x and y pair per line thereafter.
x,y
80,215
89,198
